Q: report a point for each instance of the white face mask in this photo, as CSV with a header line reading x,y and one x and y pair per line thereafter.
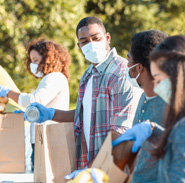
x,y
133,81
95,52
33,68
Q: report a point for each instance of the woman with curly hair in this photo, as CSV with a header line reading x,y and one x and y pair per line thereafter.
x,y
49,61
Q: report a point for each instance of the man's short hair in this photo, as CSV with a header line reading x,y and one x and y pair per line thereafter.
x,y
143,43
87,21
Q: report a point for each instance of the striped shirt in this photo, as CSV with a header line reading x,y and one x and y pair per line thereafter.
x,y
111,105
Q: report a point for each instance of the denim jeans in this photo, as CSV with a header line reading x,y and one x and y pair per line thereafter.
x,y
32,156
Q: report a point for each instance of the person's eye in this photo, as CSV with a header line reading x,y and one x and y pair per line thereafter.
x,y
156,82
96,38
83,42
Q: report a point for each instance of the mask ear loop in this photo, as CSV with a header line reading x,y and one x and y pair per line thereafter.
x,y
132,67
138,75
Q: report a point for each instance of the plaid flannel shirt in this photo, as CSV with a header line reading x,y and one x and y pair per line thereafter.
x,y
111,105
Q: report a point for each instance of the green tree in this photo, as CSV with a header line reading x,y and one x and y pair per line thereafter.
x,y
123,18
23,20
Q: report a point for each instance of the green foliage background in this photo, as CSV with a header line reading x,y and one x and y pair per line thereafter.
x,y
23,20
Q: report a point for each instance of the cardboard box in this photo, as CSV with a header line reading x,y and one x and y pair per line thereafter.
x,y
116,162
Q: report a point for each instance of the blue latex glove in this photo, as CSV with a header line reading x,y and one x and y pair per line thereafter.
x,y
138,133
45,113
74,174
20,111
4,91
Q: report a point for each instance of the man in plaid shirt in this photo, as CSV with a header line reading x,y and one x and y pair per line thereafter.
x,y
105,95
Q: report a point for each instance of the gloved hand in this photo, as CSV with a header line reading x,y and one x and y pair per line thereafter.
x,y
45,113
74,174
4,91
20,111
138,133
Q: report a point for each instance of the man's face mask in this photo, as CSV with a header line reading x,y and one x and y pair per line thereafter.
x,y
163,89
95,52
133,81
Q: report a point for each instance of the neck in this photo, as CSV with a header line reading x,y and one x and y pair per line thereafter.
x,y
148,85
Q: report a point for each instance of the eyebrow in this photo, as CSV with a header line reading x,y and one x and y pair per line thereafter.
x,y
90,36
34,58
156,75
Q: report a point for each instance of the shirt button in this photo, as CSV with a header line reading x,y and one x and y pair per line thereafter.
x,y
143,111
145,101
139,121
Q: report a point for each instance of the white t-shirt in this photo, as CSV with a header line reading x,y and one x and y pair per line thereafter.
x,y
52,91
87,107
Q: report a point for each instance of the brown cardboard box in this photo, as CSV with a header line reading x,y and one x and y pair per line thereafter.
x,y
55,154
12,144
113,160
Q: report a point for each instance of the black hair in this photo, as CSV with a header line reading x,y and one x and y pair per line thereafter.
x,y
143,43
87,21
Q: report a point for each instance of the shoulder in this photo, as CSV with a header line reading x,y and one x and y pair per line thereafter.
x,y
54,77
178,132
117,67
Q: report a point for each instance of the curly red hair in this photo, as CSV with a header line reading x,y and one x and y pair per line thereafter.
x,y
55,58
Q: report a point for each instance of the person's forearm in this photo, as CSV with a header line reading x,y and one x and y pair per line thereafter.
x,y
64,116
13,95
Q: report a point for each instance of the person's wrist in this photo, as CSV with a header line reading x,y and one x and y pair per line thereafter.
x,y
52,113
7,91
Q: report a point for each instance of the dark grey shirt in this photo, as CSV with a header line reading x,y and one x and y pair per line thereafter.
x,y
172,166
146,169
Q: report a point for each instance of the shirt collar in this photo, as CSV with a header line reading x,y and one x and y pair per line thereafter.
x,y
101,66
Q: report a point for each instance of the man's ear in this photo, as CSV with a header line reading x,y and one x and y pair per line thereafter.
x,y
141,68
108,37
78,45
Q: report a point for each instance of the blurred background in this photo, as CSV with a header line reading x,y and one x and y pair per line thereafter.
x,y
23,20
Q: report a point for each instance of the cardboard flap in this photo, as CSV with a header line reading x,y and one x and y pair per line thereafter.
x,y
105,151
104,161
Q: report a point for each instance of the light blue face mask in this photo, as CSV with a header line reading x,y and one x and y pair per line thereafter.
x,y
163,89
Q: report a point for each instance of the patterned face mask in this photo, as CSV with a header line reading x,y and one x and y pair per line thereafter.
x,y
163,89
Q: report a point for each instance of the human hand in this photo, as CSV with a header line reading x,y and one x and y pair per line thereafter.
x,y
45,113
20,111
4,91
74,174
138,133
